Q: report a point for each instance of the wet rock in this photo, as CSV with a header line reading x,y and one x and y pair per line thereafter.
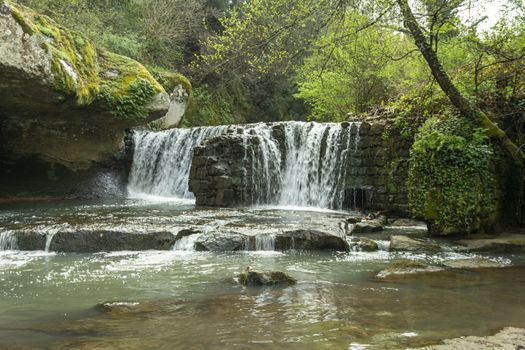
x,y
506,243
407,244
509,338
106,241
311,240
473,263
403,222
367,226
353,219
399,269
378,217
30,240
253,278
362,244
186,232
221,242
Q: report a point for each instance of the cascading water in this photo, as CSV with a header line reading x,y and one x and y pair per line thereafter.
x,y
162,160
8,241
304,165
265,242
316,163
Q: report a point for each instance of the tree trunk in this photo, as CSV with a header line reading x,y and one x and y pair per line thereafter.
x,y
467,109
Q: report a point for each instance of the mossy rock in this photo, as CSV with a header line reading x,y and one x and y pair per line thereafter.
x,y
73,56
170,80
96,78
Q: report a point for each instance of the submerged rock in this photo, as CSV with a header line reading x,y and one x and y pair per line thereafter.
x,y
253,278
399,269
107,241
509,338
407,244
473,263
310,240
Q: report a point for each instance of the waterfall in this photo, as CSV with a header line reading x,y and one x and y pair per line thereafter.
x,y
265,242
8,241
162,160
186,243
316,163
287,163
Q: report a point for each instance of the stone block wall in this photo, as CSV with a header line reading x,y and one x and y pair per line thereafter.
x,y
378,171
376,176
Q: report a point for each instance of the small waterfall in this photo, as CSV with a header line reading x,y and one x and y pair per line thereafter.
x,y
162,160
265,242
8,241
186,243
316,163
49,239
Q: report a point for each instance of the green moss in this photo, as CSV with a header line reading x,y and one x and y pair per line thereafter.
x,y
452,177
74,59
127,87
170,80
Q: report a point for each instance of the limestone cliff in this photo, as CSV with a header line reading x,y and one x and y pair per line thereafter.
x,y
67,103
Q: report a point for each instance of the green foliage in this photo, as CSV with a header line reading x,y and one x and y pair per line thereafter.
x,y
211,107
451,177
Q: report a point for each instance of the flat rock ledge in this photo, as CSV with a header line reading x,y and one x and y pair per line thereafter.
x,y
95,241
508,338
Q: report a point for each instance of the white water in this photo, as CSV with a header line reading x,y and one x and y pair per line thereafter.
x,y
8,241
186,243
265,242
307,170
162,161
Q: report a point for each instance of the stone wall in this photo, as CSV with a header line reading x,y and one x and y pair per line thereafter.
x,y
376,176
378,171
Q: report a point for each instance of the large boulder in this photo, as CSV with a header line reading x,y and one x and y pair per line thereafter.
x,y
107,241
65,102
311,240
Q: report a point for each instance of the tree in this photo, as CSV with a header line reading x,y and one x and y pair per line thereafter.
x,y
467,109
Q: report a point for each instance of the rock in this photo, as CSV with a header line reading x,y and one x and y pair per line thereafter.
x,y
509,338
367,227
505,243
362,244
310,240
399,269
30,240
107,241
380,218
353,219
255,278
63,101
186,232
221,242
407,244
407,223
473,263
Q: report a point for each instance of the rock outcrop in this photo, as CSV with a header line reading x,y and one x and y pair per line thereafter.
x,y
65,104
